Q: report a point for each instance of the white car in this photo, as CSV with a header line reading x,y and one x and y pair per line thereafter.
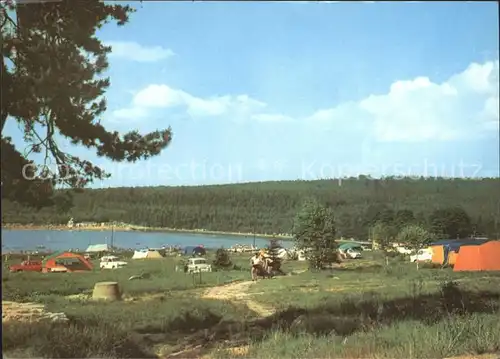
x,y
197,265
111,262
353,254
423,255
403,250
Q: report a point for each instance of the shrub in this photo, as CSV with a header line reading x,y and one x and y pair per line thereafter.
x,y
222,259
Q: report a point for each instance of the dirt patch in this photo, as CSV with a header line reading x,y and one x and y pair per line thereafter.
x,y
239,351
28,312
238,293
231,291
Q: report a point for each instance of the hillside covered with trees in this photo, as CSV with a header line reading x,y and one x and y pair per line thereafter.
x,y
456,207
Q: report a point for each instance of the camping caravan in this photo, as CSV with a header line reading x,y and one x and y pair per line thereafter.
x,y
146,254
66,262
483,257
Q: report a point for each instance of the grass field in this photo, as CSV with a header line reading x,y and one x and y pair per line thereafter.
x,y
362,310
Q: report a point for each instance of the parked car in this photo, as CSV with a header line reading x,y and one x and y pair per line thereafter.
x,y
27,266
111,262
403,250
196,265
353,253
423,255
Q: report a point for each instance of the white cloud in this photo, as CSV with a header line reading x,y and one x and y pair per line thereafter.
x,y
163,96
420,110
137,52
464,106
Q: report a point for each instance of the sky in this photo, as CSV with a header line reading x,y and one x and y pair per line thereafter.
x,y
258,91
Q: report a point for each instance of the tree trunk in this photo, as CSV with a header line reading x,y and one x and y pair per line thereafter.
x,y
386,260
4,120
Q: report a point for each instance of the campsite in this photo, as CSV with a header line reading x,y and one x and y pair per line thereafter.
x,y
273,179
359,308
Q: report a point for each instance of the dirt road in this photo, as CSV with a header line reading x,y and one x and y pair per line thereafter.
x,y
238,293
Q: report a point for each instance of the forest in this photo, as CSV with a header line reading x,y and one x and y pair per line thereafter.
x,y
451,207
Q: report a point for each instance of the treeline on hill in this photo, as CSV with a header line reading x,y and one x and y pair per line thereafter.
x,y
270,207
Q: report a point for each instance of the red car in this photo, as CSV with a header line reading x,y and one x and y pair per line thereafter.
x,y
27,266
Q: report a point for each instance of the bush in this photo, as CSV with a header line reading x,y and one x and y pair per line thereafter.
x,y
273,252
222,259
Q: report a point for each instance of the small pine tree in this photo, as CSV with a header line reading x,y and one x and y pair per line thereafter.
x,y
273,251
222,259
314,232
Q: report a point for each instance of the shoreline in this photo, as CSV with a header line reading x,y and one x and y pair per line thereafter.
x,y
132,228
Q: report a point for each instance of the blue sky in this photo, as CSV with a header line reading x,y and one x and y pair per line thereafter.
x,y
277,91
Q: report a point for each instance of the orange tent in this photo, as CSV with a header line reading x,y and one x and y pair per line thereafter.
x,y
485,257
442,250
452,258
66,261
438,254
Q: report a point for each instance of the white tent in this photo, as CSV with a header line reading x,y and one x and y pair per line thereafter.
x,y
93,248
146,254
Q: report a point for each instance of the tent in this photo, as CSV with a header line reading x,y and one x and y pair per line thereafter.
x,y
199,251
439,254
452,258
350,245
195,251
72,262
441,250
95,248
483,257
146,254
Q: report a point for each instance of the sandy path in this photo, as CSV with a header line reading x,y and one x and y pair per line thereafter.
x,y
238,293
28,312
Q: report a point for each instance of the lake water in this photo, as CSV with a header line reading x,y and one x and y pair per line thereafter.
x,y
17,240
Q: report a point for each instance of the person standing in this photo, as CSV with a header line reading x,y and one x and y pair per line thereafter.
x,y
256,265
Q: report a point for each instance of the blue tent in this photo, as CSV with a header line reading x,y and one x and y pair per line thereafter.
x,y
192,250
442,242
